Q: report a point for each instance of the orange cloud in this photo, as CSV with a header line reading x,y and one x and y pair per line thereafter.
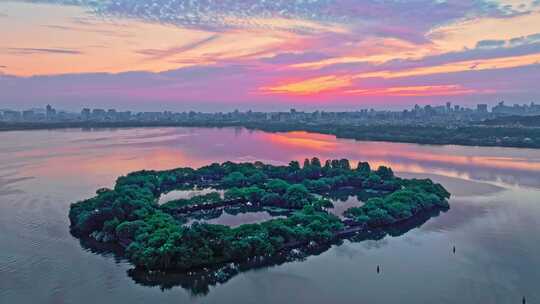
x,y
310,86
438,90
339,82
343,85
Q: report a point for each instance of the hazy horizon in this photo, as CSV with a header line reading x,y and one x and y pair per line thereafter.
x,y
209,108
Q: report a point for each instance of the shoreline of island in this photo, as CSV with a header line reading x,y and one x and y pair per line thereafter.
x,y
157,237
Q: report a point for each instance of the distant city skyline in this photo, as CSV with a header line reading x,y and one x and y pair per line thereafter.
x,y
73,108
285,108
448,114
267,55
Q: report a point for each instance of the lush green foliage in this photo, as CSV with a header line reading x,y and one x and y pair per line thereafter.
x,y
163,244
416,196
155,238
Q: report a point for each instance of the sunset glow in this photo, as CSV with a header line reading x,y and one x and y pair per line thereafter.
x,y
442,90
311,86
247,54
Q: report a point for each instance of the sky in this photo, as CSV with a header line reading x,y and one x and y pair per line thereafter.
x,y
221,55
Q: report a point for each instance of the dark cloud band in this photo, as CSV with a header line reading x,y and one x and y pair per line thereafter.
x,y
27,51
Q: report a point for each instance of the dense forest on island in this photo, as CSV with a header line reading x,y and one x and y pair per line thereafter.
x,y
157,237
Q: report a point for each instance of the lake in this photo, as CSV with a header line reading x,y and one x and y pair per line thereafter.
x,y
492,222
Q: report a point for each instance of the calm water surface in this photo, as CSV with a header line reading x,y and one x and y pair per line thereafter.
x,y
235,220
186,194
493,221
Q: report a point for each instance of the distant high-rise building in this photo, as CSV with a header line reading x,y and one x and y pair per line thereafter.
x,y
449,107
50,112
98,114
111,114
85,114
28,115
123,116
516,109
12,115
482,108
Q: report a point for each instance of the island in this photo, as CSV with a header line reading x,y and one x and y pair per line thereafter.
x,y
157,236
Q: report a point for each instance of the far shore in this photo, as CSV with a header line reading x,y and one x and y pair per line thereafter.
x,y
483,136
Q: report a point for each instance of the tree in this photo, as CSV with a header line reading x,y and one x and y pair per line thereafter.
x,y
399,210
234,193
312,172
213,171
318,186
385,173
379,217
363,168
277,186
327,164
235,179
254,194
294,166
373,181
297,196
344,164
257,178
272,199
127,231
322,204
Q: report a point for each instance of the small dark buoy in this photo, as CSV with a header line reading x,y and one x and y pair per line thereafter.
x,y
454,249
378,269
524,301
